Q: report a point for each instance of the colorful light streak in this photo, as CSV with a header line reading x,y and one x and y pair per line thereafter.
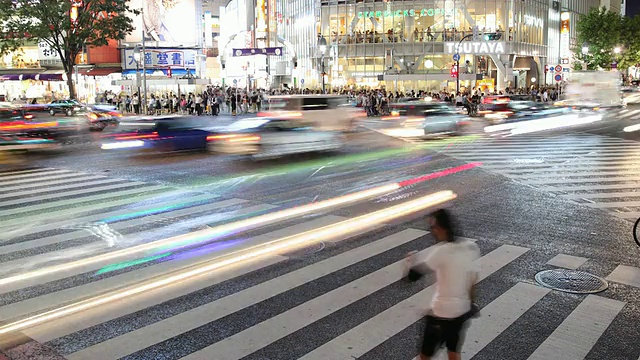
x,y
126,264
337,161
330,232
153,211
439,174
206,235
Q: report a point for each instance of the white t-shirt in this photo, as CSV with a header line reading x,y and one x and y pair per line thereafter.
x,y
455,266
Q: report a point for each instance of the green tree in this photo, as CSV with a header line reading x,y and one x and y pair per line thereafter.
x,y
50,21
630,44
602,30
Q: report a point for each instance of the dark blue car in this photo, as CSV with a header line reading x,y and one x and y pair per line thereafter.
x,y
160,134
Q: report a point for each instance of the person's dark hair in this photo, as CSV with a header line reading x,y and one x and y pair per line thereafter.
x,y
445,220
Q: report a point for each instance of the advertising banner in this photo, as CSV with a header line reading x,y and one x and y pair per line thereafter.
x,y
565,32
276,51
168,21
161,59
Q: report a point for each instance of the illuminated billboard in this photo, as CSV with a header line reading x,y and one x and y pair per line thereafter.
x,y
172,22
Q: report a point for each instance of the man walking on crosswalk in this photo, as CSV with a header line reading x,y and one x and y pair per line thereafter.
x,y
453,262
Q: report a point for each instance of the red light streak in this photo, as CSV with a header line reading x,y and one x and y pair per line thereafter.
x,y
439,174
136,137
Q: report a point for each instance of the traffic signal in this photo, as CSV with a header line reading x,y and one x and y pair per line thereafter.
x,y
454,71
492,36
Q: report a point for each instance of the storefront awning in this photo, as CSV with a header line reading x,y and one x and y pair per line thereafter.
x,y
49,75
100,71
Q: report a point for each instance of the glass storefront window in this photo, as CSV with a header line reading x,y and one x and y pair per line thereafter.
x,y
413,21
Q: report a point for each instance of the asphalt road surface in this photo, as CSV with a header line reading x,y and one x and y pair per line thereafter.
x,y
562,199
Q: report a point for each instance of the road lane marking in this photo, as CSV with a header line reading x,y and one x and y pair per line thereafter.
x,y
627,275
356,342
60,194
77,202
207,235
66,296
632,177
147,336
580,331
567,261
36,176
77,322
100,246
140,220
49,224
73,211
17,172
39,180
67,187
336,231
46,184
602,195
496,317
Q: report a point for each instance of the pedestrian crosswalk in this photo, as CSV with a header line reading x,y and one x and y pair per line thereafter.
x,y
292,314
628,114
343,300
597,171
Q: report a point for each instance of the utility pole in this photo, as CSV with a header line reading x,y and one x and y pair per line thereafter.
x,y
144,66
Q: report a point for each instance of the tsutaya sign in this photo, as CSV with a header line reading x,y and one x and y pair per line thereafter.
x,y
404,13
475,47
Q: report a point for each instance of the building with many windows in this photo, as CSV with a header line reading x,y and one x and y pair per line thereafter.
x,y
405,45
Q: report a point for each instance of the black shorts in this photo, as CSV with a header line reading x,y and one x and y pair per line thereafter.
x,y
440,331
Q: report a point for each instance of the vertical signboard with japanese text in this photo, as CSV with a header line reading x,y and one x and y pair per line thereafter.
x,y
565,33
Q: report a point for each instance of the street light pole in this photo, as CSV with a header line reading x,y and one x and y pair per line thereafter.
x,y
322,44
144,66
323,84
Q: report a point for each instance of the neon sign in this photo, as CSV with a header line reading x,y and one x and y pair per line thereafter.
x,y
404,13
476,47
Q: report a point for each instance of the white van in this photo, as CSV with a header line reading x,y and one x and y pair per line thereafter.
x,y
322,112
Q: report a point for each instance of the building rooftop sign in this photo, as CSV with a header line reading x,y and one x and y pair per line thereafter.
x,y
404,13
475,47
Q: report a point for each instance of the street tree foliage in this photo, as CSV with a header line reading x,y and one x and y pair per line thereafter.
x,y
603,31
50,21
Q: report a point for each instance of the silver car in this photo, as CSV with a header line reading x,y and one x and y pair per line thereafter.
x,y
265,138
439,119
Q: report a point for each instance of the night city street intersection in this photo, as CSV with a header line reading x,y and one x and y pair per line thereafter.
x,y
139,241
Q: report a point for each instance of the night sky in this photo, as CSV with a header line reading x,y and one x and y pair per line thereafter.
x,y
633,7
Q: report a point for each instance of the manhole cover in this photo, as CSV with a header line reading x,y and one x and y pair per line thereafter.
x,y
571,281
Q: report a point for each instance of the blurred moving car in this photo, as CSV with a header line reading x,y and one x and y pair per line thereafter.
x,y
323,112
67,107
497,103
15,121
100,118
264,138
163,134
258,138
515,111
13,148
436,118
